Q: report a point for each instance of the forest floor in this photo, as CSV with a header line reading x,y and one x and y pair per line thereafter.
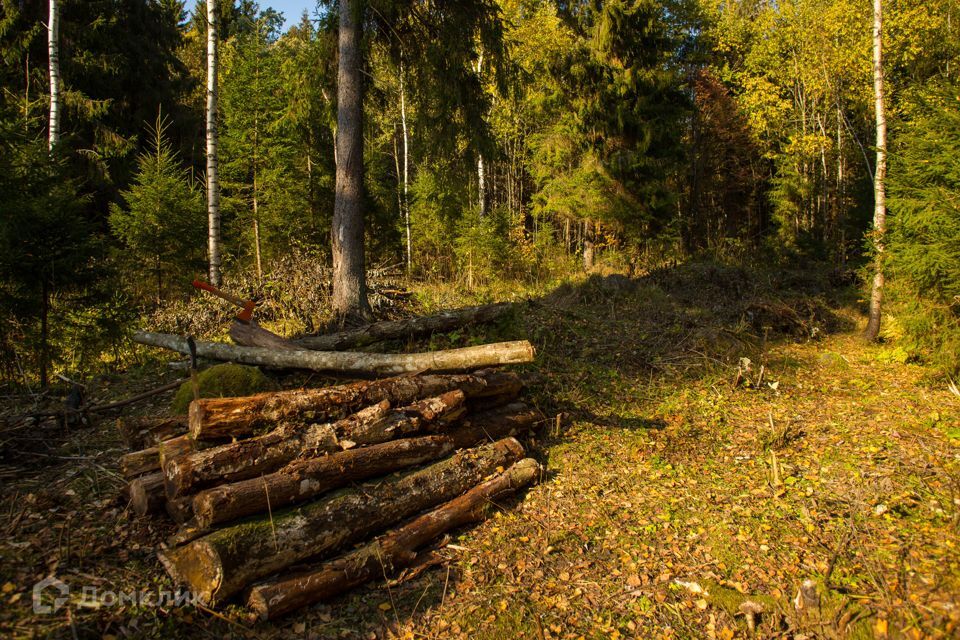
x,y
672,495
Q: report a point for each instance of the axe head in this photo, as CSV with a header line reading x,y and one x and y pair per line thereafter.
x,y
246,314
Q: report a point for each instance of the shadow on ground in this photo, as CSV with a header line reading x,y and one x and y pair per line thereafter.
x,y
601,344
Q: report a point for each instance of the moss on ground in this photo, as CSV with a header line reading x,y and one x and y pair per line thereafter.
x,y
223,381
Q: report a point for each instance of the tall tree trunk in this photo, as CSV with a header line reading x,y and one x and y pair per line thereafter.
x,y
349,278
481,186
879,176
256,165
53,48
588,248
406,168
213,183
44,333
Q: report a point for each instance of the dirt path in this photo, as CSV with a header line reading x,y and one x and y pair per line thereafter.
x,y
672,497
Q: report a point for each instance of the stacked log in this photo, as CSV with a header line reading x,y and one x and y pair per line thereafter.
x,y
268,482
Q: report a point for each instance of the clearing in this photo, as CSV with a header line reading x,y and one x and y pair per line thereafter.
x,y
673,494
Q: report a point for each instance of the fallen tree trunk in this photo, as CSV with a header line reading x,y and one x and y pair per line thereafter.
x,y
397,329
305,479
382,364
251,334
222,563
262,454
140,433
220,418
392,551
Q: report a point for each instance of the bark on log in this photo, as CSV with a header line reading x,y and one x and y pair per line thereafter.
x,y
140,433
140,462
262,454
308,478
382,364
219,418
222,563
392,551
250,334
397,329
305,479
513,419
146,493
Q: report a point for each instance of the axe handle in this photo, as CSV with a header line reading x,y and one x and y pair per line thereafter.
x,y
240,302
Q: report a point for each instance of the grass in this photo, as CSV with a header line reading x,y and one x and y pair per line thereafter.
x,y
660,514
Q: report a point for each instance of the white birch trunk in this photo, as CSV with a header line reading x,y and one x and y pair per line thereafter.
x,y
482,186
406,168
213,183
53,48
879,176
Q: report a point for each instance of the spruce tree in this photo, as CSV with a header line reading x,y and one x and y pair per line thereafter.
x,y
924,244
161,220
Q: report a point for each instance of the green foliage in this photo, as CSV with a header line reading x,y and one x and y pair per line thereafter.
x,y
222,381
161,221
482,247
925,226
48,248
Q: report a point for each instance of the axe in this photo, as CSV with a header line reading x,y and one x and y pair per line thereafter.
x,y
246,306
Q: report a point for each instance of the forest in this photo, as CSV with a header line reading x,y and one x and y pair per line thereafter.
x,y
502,142
719,240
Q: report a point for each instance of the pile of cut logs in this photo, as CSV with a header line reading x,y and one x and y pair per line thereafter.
x,y
261,483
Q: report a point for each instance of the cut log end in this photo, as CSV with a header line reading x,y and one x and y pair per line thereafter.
x,y
195,564
146,493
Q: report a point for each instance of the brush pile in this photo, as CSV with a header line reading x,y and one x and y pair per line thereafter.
x,y
263,483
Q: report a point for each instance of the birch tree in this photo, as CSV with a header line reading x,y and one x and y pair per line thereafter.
x,y
879,176
53,48
213,185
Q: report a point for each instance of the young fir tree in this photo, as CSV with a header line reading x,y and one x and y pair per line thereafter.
x,y
161,221
924,244
47,245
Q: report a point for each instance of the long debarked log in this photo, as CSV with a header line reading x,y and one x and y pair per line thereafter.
x,y
306,479
219,418
263,454
392,551
383,364
396,329
222,563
